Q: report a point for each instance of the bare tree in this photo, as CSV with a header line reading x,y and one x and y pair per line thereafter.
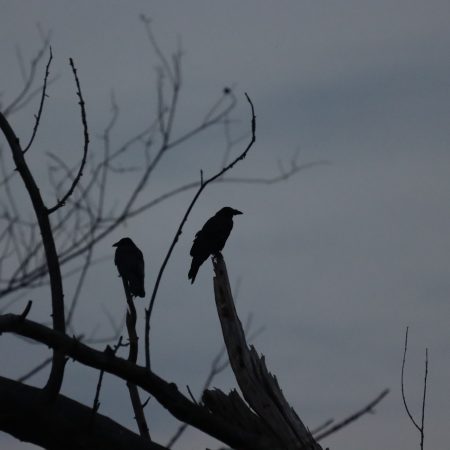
x,y
58,242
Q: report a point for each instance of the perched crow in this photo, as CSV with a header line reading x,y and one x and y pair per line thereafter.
x,y
130,264
211,238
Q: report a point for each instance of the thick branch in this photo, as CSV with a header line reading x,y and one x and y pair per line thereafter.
x,y
57,373
65,424
259,387
167,394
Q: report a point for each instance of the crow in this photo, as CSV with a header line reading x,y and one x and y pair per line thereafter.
x,y
130,264
211,239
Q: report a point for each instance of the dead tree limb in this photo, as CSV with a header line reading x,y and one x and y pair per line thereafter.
x,y
167,394
133,340
259,387
64,424
57,373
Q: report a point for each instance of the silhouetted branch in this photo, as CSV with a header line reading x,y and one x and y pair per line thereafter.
x,y
402,382
421,427
369,408
162,57
217,366
85,147
35,370
88,218
41,104
204,184
18,103
167,394
63,424
424,395
259,387
132,358
321,427
56,375
42,365
96,403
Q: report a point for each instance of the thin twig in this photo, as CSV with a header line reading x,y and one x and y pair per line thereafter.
x,y
15,104
96,403
35,370
421,427
148,312
326,424
402,382
217,366
41,104
81,102
369,408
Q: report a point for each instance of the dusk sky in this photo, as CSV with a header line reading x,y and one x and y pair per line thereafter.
x,y
334,262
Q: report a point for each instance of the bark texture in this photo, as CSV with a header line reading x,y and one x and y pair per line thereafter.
x,y
261,391
63,424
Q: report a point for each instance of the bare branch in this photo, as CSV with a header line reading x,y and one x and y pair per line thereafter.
x,y
63,424
259,387
167,394
369,408
132,358
218,365
148,312
421,427
55,380
16,103
167,68
41,104
402,382
35,370
96,403
85,147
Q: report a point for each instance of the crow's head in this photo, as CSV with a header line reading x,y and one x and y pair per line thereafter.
x,y
228,212
124,242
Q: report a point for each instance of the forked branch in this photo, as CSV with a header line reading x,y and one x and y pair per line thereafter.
x,y
203,185
259,387
57,373
167,394
420,428
77,178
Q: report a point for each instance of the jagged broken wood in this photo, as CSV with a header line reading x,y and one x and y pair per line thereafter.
x,y
268,413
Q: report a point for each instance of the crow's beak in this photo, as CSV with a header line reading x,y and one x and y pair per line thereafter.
x,y
236,212
115,244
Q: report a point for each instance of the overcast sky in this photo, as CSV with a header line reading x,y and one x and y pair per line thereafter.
x,y
335,262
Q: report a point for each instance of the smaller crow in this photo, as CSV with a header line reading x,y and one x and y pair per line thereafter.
x,y
130,264
211,239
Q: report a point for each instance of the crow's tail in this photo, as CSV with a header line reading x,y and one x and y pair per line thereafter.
x,y
136,285
195,265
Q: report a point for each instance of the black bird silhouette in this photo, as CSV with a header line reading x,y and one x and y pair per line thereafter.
x,y
211,238
130,264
